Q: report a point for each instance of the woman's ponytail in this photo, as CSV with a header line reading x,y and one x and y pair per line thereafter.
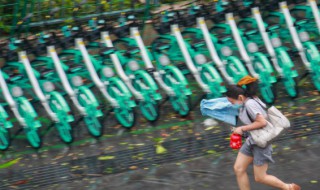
x,y
250,86
247,86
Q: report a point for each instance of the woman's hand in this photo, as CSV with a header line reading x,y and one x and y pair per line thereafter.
x,y
238,130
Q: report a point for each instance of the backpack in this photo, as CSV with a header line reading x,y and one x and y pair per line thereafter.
x,y
276,125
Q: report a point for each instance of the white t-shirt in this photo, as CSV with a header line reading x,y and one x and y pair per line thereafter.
x,y
253,108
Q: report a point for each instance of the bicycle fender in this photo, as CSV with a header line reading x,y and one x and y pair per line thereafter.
x,y
147,78
177,73
120,85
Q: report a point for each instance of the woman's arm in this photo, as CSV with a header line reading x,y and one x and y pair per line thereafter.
x,y
260,122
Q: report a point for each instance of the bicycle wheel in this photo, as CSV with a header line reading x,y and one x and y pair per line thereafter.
x,y
291,87
4,138
93,125
33,137
89,102
313,57
268,92
126,117
65,131
29,115
181,101
181,104
316,80
149,110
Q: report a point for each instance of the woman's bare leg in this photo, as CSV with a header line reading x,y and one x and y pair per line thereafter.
x,y
261,176
240,169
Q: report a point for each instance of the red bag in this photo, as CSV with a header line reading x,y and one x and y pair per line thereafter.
x,y
235,141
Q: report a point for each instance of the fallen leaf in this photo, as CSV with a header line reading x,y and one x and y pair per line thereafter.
x,y
57,158
133,167
209,128
21,182
211,151
175,127
164,135
106,157
10,163
160,149
310,114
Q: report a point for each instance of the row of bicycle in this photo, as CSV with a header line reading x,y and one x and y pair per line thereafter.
x,y
125,70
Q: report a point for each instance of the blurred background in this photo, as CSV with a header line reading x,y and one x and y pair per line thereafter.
x,y
174,150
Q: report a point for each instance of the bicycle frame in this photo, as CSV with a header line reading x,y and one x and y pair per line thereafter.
x,y
207,71
123,104
81,96
261,63
140,83
23,111
229,66
307,50
277,53
311,12
177,90
6,124
52,101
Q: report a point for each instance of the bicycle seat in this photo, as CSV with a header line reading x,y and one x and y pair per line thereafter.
x,y
121,31
14,77
75,68
162,46
224,37
217,17
150,70
45,72
162,28
272,27
190,21
11,56
250,31
132,50
93,35
40,49
107,50
67,42
300,21
198,43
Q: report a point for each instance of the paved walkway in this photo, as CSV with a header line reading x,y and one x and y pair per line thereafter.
x,y
297,160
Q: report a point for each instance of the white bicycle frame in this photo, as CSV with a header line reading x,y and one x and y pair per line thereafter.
x,y
10,100
240,45
36,86
294,34
315,11
116,62
64,79
93,73
134,33
266,39
212,50
193,69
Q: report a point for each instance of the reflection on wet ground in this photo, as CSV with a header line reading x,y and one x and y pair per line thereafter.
x,y
172,153
296,161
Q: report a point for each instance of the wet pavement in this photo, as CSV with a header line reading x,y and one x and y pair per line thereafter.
x,y
172,153
296,161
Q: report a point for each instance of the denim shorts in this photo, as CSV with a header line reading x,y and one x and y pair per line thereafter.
x,y
260,155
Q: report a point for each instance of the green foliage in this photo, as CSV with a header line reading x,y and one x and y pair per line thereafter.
x,y
11,11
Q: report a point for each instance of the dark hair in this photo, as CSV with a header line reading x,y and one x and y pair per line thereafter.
x,y
248,90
